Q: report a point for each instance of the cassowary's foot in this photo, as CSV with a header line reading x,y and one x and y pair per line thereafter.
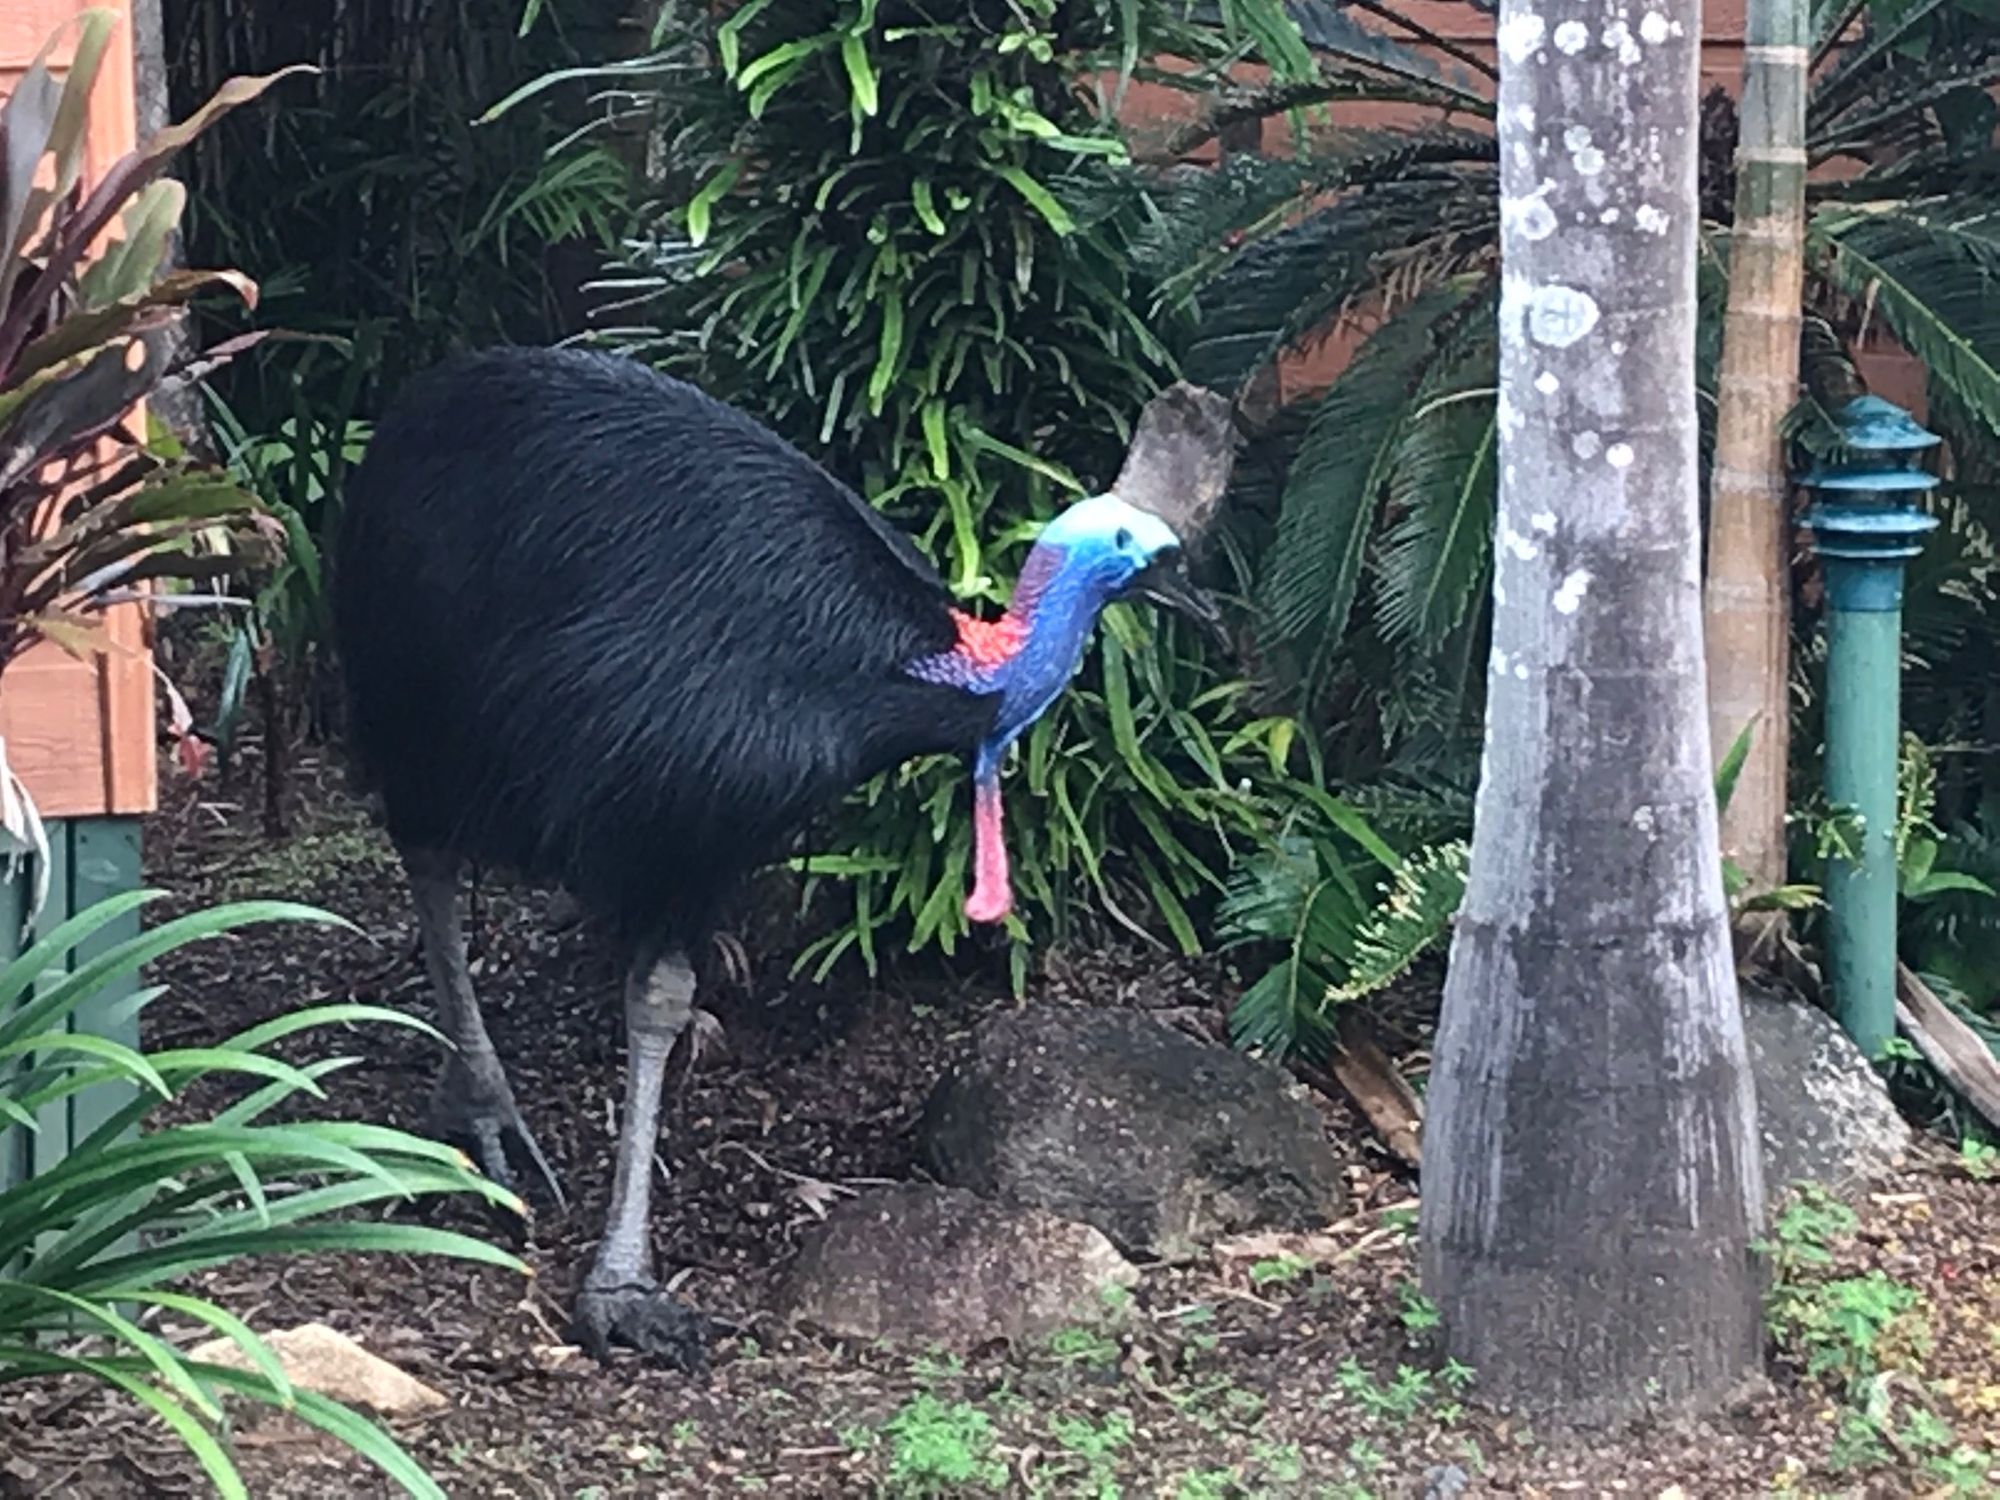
x,y
642,1316
475,1107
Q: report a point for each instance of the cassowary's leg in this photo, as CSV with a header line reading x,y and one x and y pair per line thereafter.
x,y
621,1299
474,1102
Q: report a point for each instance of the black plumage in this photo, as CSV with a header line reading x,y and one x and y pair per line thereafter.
x,y
606,631
610,633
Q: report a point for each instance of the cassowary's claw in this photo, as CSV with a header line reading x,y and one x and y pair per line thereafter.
x,y
641,1316
486,1126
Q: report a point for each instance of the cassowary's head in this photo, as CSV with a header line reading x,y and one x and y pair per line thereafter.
x,y
1116,550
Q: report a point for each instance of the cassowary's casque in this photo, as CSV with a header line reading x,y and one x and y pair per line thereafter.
x,y
610,633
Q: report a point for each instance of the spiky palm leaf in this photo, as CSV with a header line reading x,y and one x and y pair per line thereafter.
x,y
1436,552
1350,454
1412,919
1288,286
1931,270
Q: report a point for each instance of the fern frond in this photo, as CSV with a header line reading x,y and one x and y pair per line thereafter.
x,y
1296,894
1414,919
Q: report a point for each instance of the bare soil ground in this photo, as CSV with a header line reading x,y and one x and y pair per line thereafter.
x,y
1272,1370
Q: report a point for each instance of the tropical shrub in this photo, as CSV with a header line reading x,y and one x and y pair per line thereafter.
x,y
92,1249
280,648
379,207
879,233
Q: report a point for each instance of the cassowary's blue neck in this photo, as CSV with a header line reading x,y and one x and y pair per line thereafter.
x,y
1028,655
1087,556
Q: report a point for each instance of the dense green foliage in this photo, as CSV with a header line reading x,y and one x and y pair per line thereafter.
x,y
890,234
1373,598
393,226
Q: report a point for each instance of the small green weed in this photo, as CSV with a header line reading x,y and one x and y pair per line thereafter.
x,y
1206,1484
1096,1446
1365,1456
1980,1160
1084,1346
939,1447
1401,1399
1277,1270
1811,1221
1418,1313
1282,1463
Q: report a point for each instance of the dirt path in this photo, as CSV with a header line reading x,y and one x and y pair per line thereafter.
x,y
1266,1373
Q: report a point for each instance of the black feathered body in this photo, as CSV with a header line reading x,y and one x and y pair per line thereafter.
x,y
604,630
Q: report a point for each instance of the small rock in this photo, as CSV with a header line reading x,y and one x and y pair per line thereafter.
x,y
317,1358
1445,1482
1109,1117
1824,1113
935,1266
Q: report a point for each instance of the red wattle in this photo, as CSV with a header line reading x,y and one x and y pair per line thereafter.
x,y
992,897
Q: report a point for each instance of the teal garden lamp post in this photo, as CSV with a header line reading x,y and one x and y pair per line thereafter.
x,y
1866,526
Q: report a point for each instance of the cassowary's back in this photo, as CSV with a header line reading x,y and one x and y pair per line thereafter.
x,y
602,629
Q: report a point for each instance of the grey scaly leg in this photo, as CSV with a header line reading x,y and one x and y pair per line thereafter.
x,y
474,1101
621,1299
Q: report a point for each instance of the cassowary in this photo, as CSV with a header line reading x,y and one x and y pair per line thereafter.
x,y
609,633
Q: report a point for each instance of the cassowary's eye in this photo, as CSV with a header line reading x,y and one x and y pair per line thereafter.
x,y
1123,539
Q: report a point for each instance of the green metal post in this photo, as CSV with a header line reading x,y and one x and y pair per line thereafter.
x,y
1863,721
1865,532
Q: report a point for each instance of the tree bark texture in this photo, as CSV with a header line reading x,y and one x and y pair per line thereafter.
x,y
1592,1182
1747,604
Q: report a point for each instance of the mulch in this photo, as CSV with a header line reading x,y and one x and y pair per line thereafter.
x,y
1272,1370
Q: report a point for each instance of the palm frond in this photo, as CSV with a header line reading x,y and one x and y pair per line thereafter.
x,y
1948,586
1209,217
1413,919
1298,280
1443,490
1349,453
1932,272
1851,74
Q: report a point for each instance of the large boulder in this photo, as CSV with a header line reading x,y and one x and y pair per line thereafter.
x,y
930,1266
1823,1112
1109,1117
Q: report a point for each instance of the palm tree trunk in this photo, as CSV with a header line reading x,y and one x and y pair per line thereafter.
x,y
1592,1182
1747,604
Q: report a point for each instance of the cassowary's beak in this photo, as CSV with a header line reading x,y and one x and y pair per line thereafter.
x,y
1165,581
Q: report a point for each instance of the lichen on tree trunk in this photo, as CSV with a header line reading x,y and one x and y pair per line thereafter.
x,y
1591,1174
